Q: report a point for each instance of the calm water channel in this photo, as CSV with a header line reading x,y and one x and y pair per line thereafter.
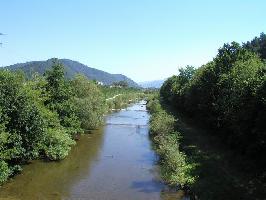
x,y
115,162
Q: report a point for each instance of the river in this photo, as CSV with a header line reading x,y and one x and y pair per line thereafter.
x,y
115,162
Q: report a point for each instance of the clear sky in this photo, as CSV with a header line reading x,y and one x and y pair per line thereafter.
x,y
143,39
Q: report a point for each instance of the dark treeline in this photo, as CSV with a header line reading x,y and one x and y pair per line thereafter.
x,y
228,94
41,117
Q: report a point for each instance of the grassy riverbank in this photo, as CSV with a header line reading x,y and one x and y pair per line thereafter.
x,y
194,158
121,100
176,169
222,173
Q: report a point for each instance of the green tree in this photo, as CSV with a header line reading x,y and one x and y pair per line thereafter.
x,y
123,84
21,115
185,74
61,98
257,45
89,101
228,95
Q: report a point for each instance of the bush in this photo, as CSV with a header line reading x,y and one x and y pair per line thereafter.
x,y
162,123
4,171
118,102
153,105
57,144
175,169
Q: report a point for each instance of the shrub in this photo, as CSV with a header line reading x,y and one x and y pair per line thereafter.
x,y
153,105
57,144
175,169
161,123
4,171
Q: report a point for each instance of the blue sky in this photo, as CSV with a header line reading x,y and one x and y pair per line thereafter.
x,y
143,39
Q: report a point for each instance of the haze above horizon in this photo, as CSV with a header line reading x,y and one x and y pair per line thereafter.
x,y
142,39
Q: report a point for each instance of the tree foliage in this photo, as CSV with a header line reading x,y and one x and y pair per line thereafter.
x,y
258,45
40,117
61,98
228,95
89,102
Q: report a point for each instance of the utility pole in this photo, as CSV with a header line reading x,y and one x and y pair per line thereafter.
x,y
1,42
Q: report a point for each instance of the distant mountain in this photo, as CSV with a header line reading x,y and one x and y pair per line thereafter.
x,y
72,68
152,84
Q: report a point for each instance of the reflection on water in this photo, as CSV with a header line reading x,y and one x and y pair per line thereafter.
x,y
114,163
52,180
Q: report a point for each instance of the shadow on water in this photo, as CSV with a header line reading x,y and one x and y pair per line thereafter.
x,y
149,186
52,180
116,162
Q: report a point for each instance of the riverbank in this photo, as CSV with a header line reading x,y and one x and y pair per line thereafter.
x,y
219,172
115,162
122,100
175,167
40,118
222,173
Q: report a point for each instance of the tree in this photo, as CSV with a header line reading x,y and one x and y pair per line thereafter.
x,y
173,88
186,74
61,98
227,95
257,45
89,101
123,84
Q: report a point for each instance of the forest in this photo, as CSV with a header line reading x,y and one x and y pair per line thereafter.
x,y
224,98
227,94
41,117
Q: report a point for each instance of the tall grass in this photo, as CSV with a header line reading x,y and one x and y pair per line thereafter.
x,y
174,166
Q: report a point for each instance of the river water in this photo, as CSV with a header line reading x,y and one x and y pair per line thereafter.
x,y
115,162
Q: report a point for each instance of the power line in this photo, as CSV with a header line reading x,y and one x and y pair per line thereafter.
x,y
1,44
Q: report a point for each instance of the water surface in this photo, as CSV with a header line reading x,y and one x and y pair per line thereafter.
x,y
115,162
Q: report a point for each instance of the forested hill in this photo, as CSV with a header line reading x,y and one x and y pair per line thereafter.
x,y
72,68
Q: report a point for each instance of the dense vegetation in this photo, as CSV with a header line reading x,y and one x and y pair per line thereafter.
x,y
176,169
228,95
123,96
41,117
223,159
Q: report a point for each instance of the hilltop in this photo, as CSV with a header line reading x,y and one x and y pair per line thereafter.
x,y
71,69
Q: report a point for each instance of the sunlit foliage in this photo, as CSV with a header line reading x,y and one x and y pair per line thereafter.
x,y
41,117
228,95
